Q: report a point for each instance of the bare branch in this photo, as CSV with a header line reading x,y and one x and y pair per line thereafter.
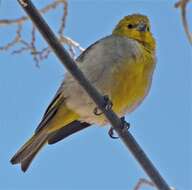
x,y
30,45
64,18
44,10
182,4
146,183
14,41
142,183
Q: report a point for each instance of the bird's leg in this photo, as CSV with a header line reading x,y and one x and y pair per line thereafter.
x,y
111,133
125,126
107,104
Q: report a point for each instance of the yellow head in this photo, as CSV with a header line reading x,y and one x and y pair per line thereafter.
x,y
136,27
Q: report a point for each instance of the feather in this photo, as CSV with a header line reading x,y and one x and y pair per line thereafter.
x,y
30,148
67,130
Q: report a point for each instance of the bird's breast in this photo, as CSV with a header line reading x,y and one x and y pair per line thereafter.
x,y
132,81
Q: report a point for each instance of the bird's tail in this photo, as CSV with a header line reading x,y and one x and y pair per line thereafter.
x,y
28,151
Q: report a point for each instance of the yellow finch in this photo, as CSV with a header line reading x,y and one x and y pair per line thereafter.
x,y
120,65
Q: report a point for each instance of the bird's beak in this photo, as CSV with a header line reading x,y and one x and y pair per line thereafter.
x,y
142,27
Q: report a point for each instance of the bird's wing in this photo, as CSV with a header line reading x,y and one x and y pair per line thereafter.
x,y
66,131
59,98
51,109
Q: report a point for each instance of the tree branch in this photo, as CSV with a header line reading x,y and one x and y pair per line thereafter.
x,y
30,45
44,10
142,183
146,183
182,4
72,67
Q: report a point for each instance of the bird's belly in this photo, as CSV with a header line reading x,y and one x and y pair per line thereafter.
x,y
128,87
131,88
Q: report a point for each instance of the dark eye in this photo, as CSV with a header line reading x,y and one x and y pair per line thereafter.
x,y
130,26
148,29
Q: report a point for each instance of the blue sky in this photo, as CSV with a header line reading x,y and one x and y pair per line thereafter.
x,y
90,159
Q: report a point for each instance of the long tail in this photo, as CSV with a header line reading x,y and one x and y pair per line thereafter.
x,y
28,151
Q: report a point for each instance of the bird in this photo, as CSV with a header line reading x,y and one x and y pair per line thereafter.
x,y
120,65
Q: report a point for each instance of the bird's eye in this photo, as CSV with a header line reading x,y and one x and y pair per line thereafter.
x,y
148,29
130,26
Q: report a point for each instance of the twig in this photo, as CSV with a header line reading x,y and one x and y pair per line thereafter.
x,y
145,182
44,10
182,4
37,53
63,19
142,183
14,41
99,100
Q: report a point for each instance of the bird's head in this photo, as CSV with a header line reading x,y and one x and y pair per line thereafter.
x,y
136,27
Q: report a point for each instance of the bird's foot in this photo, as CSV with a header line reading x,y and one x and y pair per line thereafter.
x,y
107,105
108,102
111,133
125,126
